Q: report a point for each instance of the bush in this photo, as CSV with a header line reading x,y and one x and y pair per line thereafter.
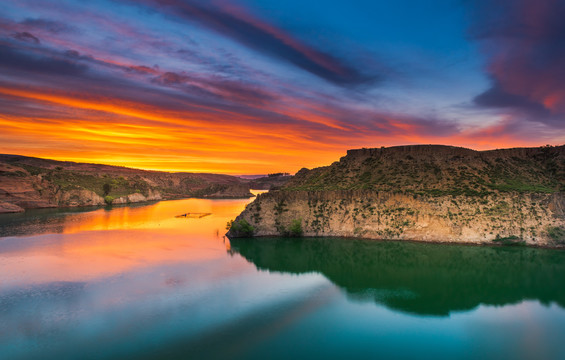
x,y
106,188
108,199
556,234
229,225
295,228
242,228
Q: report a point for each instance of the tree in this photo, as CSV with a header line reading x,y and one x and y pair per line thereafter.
x,y
106,188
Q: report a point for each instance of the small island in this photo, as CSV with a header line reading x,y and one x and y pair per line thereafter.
x,y
428,193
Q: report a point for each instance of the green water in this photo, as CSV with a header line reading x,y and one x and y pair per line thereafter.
x,y
138,283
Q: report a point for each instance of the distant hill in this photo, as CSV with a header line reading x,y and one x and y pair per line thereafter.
x,y
422,192
28,182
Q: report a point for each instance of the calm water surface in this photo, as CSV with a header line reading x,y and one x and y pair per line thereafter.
x,y
137,282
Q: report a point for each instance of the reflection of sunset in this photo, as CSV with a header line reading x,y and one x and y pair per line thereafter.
x,y
104,243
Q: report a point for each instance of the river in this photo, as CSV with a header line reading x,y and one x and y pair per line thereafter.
x,y
139,282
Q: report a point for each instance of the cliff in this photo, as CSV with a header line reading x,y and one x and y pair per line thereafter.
x,y
423,193
27,182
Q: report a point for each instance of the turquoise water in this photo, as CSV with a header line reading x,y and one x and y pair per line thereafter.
x,y
137,282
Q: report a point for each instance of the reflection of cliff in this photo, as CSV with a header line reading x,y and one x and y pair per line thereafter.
x,y
425,279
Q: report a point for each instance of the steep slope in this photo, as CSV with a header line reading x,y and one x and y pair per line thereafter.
x,y
424,192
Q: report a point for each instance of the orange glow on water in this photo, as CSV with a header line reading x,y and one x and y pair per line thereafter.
x,y
104,242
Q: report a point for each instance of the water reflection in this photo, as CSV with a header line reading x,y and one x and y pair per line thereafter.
x,y
425,279
135,216
79,246
137,282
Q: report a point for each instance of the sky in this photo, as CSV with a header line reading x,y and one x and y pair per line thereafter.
x,y
258,86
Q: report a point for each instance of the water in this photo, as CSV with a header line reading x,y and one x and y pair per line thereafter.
x,y
137,282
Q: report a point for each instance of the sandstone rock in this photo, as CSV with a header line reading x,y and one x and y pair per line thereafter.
x,y
79,198
9,208
390,216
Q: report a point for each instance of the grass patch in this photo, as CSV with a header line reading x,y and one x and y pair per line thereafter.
x,y
511,185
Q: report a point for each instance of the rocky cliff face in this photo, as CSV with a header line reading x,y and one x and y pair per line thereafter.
x,y
459,195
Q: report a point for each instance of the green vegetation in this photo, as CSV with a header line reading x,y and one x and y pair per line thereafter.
x,y
440,171
556,234
241,228
52,179
280,208
295,228
116,186
229,224
108,199
522,187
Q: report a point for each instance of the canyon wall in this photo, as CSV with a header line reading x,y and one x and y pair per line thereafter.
x,y
527,218
424,193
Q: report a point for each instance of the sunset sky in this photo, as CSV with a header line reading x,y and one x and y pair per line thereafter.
x,y
257,86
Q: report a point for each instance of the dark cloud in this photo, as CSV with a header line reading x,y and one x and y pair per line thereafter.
x,y
215,88
11,58
172,78
54,27
524,41
25,36
72,54
268,40
496,97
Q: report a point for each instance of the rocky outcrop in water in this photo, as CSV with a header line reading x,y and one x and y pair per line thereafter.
x,y
424,193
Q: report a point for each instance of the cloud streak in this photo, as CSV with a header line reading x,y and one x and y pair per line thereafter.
x,y
253,33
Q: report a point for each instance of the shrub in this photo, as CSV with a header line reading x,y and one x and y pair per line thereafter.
x,y
242,228
556,234
108,199
229,225
295,228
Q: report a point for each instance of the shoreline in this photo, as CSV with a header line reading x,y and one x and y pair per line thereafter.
x,y
435,242
94,206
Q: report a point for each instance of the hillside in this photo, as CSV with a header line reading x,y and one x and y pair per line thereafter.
x,y
422,192
27,182
440,170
